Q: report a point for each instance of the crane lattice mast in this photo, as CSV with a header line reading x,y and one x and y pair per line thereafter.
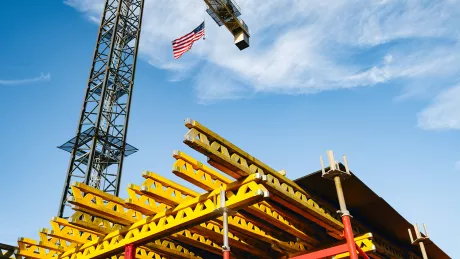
x,y
99,147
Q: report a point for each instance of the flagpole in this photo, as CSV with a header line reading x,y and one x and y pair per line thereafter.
x,y
204,22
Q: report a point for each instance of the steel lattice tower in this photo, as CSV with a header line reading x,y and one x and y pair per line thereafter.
x,y
98,150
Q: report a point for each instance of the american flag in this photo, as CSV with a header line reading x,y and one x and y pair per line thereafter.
x,y
184,43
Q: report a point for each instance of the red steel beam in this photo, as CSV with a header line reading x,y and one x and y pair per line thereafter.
x,y
331,251
361,252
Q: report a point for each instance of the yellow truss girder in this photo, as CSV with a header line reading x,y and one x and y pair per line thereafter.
x,y
197,210
169,197
364,242
230,159
171,250
185,167
198,241
243,159
215,232
142,254
151,177
218,238
285,190
198,173
142,203
54,243
92,223
28,248
109,207
89,222
237,223
162,247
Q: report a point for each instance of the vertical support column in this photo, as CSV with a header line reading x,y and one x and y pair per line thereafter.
x,y
225,247
334,173
348,230
130,251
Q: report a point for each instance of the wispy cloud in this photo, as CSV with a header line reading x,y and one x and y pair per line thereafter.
x,y
306,46
444,111
42,77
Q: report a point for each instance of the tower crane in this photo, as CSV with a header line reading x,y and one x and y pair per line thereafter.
x,y
99,147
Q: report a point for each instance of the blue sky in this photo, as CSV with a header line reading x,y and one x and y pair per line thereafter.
x,y
376,80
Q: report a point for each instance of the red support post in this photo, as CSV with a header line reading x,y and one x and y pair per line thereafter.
x,y
130,251
226,254
348,232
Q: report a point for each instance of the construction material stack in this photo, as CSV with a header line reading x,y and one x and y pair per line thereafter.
x,y
270,216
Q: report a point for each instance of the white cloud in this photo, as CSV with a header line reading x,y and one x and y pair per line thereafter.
x,y
308,46
92,8
444,112
42,77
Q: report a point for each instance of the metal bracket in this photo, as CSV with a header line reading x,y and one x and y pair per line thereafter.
x,y
419,239
344,213
418,235
334,167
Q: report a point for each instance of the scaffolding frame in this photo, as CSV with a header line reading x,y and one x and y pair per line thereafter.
x,y
260,213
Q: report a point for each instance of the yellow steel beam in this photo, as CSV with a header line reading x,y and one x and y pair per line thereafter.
x,y
171,250
364,242
247,228
247,245
146,205
284,189
185,167
230,159
226,148
236,223
100,225
155,190
276,217
384,248
143,254
54,243
301,204
194,211
237,163
158,179
93,223
199,241
217,237
48,246
109,207
198,173
28,248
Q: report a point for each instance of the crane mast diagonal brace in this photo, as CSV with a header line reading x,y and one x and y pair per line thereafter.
x,y
98,150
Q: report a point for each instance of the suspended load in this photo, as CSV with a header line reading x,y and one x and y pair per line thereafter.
x,y
226,12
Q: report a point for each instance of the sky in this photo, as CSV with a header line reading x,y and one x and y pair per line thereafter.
x,y
378,81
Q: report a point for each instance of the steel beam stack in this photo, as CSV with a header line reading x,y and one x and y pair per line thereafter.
x,y
246,210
